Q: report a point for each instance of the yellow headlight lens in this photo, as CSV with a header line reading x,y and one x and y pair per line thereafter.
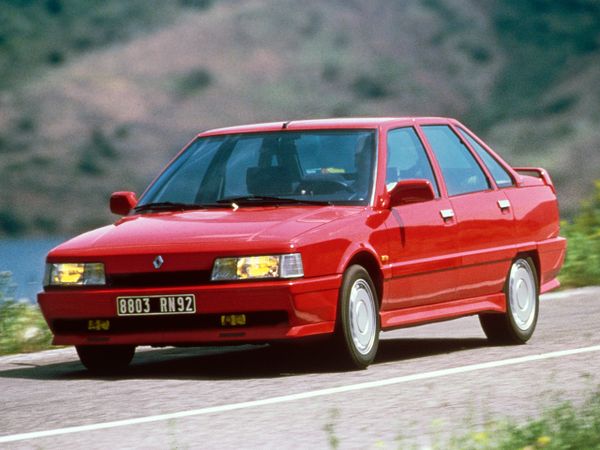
x,y
258,267
68,274
75,274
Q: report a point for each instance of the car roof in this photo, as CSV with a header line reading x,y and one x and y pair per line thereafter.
x,y
312,124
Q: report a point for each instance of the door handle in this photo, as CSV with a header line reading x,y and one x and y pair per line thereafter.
x,y
503,204
447,214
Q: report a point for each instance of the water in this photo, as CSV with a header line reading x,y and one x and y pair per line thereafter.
x,y
25,259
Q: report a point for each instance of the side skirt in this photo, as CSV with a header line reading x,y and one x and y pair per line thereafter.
x,y
442,311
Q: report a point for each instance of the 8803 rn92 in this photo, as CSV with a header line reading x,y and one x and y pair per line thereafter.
x,y
156,304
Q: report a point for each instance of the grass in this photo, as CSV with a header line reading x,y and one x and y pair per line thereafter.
x,y
563,426
22,326
329,429
582,263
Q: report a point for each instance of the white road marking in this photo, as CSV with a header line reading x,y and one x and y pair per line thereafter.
x,y
301,395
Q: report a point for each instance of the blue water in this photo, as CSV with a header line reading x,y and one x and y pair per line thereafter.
x,y
25,259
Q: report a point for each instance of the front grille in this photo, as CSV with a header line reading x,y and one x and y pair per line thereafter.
x,y
158,279
124,325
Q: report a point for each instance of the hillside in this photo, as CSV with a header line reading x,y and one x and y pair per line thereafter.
x,y
109,115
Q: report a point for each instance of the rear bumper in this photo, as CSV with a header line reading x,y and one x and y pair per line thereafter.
x,y
275,310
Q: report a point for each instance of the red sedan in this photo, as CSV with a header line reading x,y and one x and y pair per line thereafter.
x,y
340,228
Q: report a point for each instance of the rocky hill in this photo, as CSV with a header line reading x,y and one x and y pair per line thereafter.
x,y
96,99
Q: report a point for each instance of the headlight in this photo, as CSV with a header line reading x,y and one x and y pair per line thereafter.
x,y
74,274
258,267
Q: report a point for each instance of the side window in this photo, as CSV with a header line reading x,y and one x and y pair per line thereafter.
x,y
459,168
501,176
407,159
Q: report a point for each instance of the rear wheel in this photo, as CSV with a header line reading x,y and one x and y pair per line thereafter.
x,y
357,328
516,326
105,358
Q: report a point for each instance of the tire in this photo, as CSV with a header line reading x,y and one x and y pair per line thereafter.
x,y
357,328
517,325
105,358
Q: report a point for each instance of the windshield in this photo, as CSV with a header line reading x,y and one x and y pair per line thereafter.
x,y
332,167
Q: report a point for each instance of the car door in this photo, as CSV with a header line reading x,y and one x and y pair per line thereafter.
x,y
484,216
421,236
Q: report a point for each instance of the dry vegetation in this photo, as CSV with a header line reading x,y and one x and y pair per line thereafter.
x,y
108,115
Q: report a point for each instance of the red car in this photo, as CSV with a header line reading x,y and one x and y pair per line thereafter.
x,y
340,227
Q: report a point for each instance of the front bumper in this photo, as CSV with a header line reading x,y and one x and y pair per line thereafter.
x,y
276,310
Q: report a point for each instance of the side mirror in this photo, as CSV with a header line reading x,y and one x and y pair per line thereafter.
x,y
411,191
121,203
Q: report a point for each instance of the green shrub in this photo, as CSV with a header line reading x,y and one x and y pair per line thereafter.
x,y
22,326
366,86
54,7
582,264
564,427
26,124
55,57
101,145
89,164
10,223
331,72
198,4
193,82
93,154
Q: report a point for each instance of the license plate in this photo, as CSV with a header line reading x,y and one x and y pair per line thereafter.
x,y
233,320
156,305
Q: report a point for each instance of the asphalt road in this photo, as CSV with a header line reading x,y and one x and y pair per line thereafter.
x,y
427,381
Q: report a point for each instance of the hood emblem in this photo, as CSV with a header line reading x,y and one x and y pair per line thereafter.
x,y
158,262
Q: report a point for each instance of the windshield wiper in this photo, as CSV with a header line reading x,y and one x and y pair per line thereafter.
x,y
168,206
266,199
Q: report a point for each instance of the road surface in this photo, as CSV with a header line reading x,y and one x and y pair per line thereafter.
x,y
426,382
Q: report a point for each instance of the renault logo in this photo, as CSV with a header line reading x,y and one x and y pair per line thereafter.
x,y
158,262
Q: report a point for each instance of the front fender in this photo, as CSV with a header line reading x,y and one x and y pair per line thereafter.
x,y
353,251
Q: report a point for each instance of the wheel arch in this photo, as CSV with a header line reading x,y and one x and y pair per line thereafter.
x,y
369,261
535,258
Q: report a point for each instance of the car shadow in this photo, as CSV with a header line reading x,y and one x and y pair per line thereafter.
x,y
245,362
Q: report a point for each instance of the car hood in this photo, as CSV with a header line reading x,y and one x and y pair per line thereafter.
x,y
215,230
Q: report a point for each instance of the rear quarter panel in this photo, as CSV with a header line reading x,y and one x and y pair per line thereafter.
x,y
537,227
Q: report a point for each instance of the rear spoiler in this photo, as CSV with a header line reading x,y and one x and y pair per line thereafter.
x,y
537,172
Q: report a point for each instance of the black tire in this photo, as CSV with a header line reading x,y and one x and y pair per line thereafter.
x,y
357,328
105,358
517,325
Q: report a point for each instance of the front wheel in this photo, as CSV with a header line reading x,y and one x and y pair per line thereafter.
x,y
357,329
105,358
516,326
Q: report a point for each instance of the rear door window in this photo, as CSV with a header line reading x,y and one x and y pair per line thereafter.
x,y
499,173
461,171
